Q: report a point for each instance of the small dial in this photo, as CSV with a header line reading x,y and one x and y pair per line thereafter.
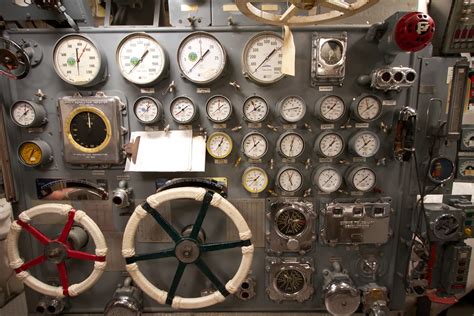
x,y
329,144
361,178
290,222
88,129
219,145
364,144
330,108
468,140
255,109
28,114
292,108
327,178
218,109
34,153
255,180
441,170
201,58
367,108
254,145
290,281
466,168
183,110
289,179
148,110
332,52
290,145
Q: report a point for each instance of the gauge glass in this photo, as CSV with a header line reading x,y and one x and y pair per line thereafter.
x,y
331,108
148,110
328,179
441,170
365,144
141,59
291,145
363,179
290,281
88,129
255,109
30,154
290,222
262,58
330,145
290,180
218,109
254,145
292,109
23,113
183,110
332,52
369,108
255,180
201,58
468,140
466,168
219,145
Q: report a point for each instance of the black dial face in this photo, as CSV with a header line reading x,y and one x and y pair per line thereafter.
x,y
290,281
88,129
291,222
331,52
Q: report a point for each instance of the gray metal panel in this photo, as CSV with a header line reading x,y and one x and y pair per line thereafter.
x,y
181,14
12,12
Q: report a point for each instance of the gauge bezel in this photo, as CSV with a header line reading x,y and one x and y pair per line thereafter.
x,y
354,138
317,173
288,268
282,137
207,109
280,108
243,109
340,42
451,176
317,144
247,171
226,136
319,114
355,107
299,209
247,136
281,171
46,153
195,114
38,110
351,172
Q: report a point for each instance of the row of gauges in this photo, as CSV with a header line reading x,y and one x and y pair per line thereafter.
x,y
326,178
291,145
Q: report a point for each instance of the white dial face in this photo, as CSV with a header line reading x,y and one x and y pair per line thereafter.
x,y
201,58
468,140
292,109
263,58
23,113
147,110
218,109
331,145
332,108
290,180
369,108
328,180
291,145
183,110
363,179
254,145
366,144
141,59
219,145
255,109
76,60
255,180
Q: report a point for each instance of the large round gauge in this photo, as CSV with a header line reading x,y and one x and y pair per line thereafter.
x,y
201,58
218,109
330,108
292,108
290,222
141,59
329,144
88,129
34,153
366,108
219,145
255,109
327,179
441,170
262,58
28,114
183,110
289,281
290,145
364,144
148,110
254,145
289,180
78,61
361,178
332,52
255,180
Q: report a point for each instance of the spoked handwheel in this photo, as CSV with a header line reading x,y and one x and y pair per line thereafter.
x,y
187,249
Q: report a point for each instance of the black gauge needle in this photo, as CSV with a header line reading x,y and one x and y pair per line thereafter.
x,y
139,61
362,180
332,107
290,176
182,109
267,58
200,59
222,140
367,109
328,180
291,145
77,60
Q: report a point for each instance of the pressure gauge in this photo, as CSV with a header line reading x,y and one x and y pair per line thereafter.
x,y
255,109
183,110
262,58
201,58
289,179
141,59
28,114
366,108
254,145
78,61
34,153
218,109
441,170
330,108
148,110
329,144
327,179
361,178
290,145
365,144
255,180
292,108
219,145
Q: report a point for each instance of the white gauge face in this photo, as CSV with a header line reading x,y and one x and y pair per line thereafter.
x,y
365,144
183,110
219,145
331,145
255,109
468,140
290,180
218,109
369,108
363,179
328,180
263,58
466,168
201,58
332,108
76,60
141,59
291,145
292,109
254,145
147,110
255,180
23,113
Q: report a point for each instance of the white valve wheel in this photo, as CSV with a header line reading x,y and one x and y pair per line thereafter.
x,y
56,250
187,249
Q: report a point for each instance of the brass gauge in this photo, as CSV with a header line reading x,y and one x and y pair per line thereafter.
x,y
255,180
34,153
28,114
366,108
219,145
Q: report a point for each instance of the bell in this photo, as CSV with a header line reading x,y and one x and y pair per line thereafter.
x,y
304,4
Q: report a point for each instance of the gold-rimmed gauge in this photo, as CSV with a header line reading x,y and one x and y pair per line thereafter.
x,y
34,153
255,180
219,145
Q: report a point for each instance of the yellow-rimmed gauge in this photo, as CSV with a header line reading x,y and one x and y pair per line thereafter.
x,y
33,153
255,180
219,145
88,129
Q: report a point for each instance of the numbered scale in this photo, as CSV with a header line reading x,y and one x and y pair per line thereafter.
x,y
366,108
28,114
219,145
255,109
292,109
148,110
361,178
330,109
327,178
364,144
34,153
290,145
254,145
218,109
329,145
255,180
289,180
183,110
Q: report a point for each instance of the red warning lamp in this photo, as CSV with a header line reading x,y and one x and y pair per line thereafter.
x,y
414,31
